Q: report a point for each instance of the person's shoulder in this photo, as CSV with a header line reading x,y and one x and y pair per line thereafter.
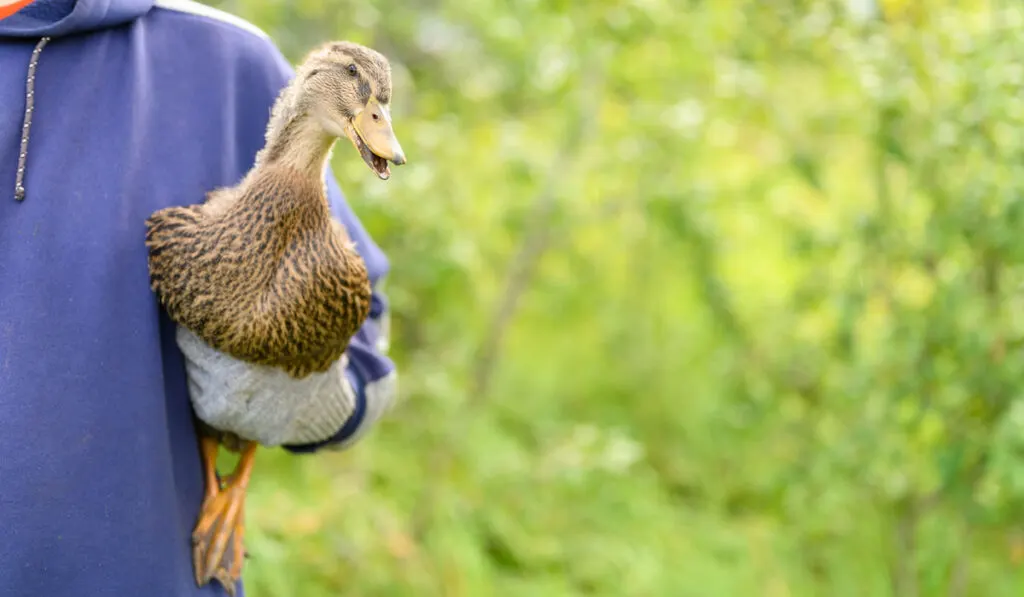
x,y
222,41
208,16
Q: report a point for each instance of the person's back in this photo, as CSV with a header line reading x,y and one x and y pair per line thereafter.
x,y
127,108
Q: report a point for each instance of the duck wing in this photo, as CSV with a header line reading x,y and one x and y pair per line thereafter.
x,y
263,273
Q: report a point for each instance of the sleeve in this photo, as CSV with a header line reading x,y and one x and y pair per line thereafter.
x,y
371,374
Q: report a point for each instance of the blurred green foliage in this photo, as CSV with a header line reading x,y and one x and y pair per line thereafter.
x,y
710,299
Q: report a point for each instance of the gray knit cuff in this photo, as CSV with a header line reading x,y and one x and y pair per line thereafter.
x,y
261,403
381,396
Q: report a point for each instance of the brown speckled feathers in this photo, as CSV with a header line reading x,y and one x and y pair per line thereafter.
x,y
262,272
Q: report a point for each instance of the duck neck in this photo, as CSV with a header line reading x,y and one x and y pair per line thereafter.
x,y
294,138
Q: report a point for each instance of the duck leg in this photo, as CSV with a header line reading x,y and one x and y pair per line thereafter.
x,y
217,541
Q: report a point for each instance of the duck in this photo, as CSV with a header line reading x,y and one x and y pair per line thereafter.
x,y
261,274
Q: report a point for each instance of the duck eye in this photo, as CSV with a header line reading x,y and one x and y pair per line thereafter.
x,y
352,70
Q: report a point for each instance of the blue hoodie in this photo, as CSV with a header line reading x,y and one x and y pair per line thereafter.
x,y
136,106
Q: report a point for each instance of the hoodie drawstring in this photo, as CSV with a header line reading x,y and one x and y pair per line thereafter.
x,y
30,84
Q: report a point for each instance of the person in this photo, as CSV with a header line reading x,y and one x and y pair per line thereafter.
x,y
109,111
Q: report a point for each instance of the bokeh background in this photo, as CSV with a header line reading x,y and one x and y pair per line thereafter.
x,y
690,299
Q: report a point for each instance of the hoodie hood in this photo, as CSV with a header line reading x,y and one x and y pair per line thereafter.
x,y
54,18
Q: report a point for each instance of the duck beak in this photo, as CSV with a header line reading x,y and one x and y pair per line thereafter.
x,y
373,124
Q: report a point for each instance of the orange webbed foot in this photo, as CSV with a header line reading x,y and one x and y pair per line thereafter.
x,y
218,550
